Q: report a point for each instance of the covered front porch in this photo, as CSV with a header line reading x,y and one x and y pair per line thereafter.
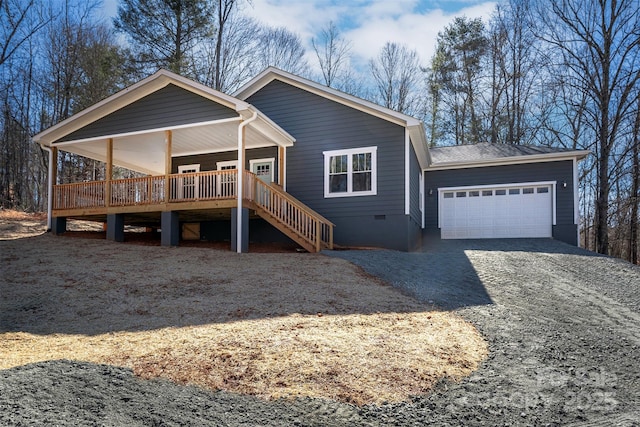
x,y
189,199
188,145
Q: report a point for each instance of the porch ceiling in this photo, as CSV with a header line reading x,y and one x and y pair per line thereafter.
x,y
144,151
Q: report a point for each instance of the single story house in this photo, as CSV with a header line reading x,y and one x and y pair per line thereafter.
x,y
288,158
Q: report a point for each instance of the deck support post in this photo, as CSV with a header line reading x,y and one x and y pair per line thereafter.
x,y
58,225
170,225
243,221
115,227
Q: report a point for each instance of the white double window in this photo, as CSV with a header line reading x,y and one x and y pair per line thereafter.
x,y
351,172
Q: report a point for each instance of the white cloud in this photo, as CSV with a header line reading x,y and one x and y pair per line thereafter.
x,y
301,17
417,30
367,24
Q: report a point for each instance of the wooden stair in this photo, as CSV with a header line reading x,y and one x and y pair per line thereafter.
x,y
297,221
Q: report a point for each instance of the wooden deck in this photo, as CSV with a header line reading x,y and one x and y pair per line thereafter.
x,y
201,195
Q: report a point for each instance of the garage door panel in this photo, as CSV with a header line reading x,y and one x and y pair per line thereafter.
x,y
496,212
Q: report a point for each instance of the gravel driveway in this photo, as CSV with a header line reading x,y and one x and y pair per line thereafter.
x,y
563,327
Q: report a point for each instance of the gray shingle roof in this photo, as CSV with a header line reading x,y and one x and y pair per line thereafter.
x,y
485,151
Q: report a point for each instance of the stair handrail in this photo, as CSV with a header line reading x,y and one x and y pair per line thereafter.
x,y
253,180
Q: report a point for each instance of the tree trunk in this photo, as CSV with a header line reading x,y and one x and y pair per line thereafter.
x,y
635,189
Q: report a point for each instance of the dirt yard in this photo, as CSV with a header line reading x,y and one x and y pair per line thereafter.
x,y
262,328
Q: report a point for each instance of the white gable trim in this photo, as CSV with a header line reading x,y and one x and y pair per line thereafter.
x,y
270,74
132,94
415,126
407,173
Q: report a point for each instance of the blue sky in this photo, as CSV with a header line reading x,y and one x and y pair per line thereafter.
x,y
367,24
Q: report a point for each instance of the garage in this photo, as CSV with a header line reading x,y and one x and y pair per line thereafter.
x,y
501,211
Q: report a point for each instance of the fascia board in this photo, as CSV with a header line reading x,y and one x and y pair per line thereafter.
x,y
271,129
207,92
514,160
419,142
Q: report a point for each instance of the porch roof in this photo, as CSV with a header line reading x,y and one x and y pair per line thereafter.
x,y
142,147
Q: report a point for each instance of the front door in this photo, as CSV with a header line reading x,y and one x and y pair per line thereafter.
x,y
188,186
263,168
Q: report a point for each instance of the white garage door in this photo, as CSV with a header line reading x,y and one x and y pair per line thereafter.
x,y
524,210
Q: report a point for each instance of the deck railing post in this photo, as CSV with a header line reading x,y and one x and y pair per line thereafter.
x,y
149,190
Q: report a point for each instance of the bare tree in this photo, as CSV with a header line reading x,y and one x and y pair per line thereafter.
x,y
282,49
602,49
227,60
396,72
515,63
224,12
635,188
332,52
19,21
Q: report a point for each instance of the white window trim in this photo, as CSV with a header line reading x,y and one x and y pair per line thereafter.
x,y
181,181
349,152
220,165
183,168
271,160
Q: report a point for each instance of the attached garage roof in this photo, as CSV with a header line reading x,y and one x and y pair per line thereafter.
x,y
485,154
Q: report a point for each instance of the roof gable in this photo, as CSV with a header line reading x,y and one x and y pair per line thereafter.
x,y
125,97
168,106
413,125
272,73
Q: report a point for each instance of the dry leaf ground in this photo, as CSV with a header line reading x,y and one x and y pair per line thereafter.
x,y
266,324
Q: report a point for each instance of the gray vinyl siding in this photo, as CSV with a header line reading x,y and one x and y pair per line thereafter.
x,y
168,106
319,125
209,162
560,171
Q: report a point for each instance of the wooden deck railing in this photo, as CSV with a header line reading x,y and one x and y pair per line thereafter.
x,y
148,190
300,222
211,185
80,195
305,226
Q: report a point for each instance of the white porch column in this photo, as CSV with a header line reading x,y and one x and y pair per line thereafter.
x,y
240,179
108,173
167,166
